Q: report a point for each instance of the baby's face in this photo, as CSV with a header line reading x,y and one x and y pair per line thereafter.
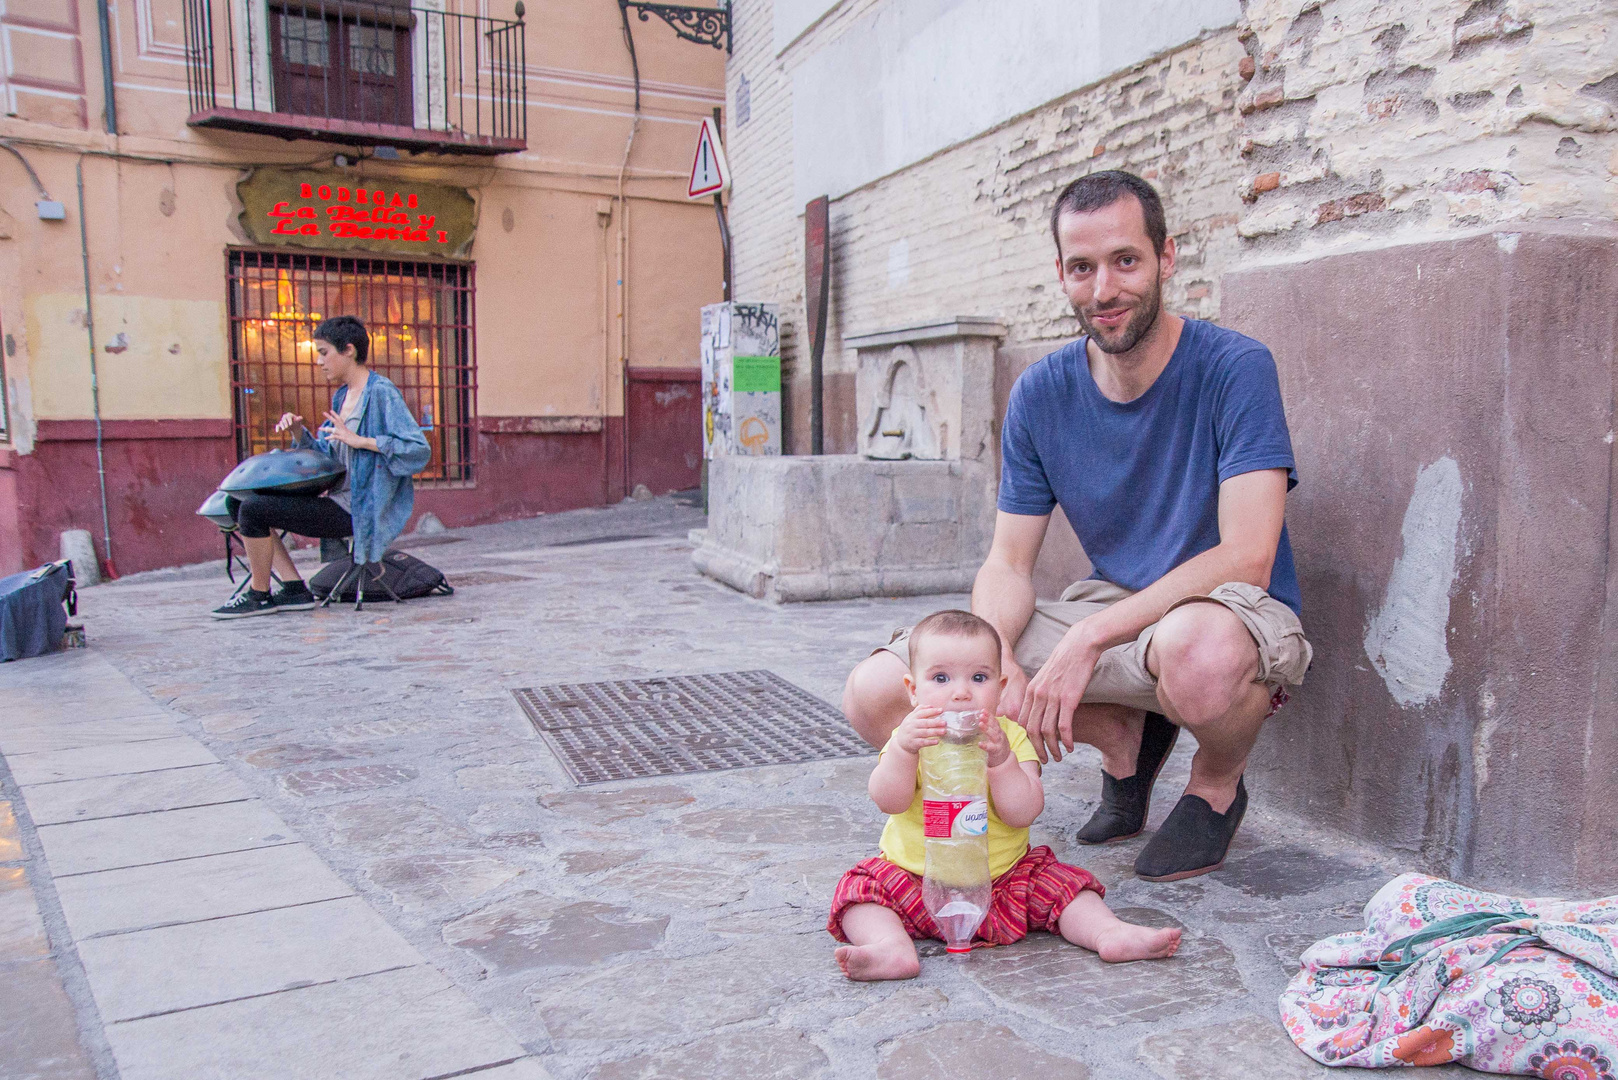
x,y
956,674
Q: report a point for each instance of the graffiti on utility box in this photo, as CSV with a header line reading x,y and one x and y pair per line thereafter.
x,y
741,380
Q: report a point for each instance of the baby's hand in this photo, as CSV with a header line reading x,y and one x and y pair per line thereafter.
x,y
993,740
921,728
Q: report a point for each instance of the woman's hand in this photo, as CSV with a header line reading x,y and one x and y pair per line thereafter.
x,y
921,728
286,421
340,432
993,739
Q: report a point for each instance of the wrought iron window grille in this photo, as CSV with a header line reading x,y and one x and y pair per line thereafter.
x,y
704,26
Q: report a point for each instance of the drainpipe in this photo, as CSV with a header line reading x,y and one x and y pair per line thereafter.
x,y
110,108
95,381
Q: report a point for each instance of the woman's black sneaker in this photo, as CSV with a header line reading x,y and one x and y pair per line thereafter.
x,y
1193,839
1125,803
294,596
247,603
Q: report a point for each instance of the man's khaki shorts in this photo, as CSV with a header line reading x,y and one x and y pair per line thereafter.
x,y
1121,677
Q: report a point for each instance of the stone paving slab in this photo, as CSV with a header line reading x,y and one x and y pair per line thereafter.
x,y
209,919
146,972
135,793
118,759
399,1025
38,1032
191,890
10,843
22,934
81,847
17,738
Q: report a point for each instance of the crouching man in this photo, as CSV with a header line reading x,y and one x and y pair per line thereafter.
x,y
1165,443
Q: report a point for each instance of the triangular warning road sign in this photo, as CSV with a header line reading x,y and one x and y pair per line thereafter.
x,y
710,174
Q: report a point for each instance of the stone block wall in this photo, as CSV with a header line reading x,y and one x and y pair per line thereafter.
x,y
1372,123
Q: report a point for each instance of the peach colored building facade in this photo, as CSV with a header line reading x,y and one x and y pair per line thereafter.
x,y
179,309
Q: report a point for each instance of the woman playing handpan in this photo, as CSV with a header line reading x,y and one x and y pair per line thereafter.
x,y
369,430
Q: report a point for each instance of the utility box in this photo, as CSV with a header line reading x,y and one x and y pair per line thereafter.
x,y
741,380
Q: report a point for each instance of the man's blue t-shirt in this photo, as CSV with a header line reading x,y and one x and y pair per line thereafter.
x,y
1139,481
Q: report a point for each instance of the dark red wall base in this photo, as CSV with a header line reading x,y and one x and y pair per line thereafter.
x,y
160,471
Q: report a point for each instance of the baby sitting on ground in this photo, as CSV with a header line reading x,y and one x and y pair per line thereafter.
x,y
877,908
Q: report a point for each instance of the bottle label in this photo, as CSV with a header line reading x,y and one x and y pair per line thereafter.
x,y
954,818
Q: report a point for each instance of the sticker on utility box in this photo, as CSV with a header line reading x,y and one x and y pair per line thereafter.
x,y
943,819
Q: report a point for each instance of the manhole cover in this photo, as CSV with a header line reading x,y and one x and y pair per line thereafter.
x,y
640,728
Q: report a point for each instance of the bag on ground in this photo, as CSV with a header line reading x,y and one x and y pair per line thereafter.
x,y
407,575
34,606
1443,972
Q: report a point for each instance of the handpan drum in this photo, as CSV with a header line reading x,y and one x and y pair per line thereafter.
x,y
216,508
284,472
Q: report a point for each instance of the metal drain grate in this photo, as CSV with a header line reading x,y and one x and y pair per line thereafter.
x,y
640,728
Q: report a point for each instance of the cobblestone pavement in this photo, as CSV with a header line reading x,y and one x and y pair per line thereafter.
x,y
671,927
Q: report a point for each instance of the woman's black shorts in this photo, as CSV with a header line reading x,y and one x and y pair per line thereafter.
x,y
306,515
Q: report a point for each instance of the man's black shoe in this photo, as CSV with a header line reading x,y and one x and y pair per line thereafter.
x,y
1125,803
1193,839
294,596
247,603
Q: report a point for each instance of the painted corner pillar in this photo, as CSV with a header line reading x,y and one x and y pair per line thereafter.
x,y
1452,411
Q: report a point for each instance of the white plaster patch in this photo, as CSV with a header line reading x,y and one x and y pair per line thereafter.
x,y
1507,241
1407,640
898,263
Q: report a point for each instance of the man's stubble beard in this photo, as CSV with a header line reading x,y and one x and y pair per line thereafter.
x,y
1140,323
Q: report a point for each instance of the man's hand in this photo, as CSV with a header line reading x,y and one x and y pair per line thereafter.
x,y
921,728
286,421
1054,693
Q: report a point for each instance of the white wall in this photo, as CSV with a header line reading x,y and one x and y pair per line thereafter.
x,y
915,76
793,17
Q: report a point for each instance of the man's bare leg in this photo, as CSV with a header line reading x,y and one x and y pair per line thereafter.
x,y
1205,662
875,699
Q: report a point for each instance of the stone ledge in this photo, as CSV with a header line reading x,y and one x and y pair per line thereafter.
x,y
961,326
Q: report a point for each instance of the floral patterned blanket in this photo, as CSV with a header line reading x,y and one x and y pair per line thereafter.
x,y
1446,973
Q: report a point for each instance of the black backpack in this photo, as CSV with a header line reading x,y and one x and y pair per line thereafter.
x,y
407,575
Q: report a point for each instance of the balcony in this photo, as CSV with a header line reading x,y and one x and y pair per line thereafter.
x,y
360,72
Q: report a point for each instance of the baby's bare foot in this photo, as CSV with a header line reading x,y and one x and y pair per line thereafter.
x,y
873,963
1127,941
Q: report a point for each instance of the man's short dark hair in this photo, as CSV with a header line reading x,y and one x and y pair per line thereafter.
x,y
1090,193
953,623
343,331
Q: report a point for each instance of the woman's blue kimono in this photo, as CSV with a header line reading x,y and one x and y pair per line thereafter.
x,y
381,496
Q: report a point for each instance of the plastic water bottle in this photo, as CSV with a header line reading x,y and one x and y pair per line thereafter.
x,y
955,814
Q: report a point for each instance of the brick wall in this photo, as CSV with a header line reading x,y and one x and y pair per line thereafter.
x,y
1309,128
1368,122
965,232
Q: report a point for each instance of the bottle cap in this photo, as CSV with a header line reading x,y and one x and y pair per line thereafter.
x,y
957,948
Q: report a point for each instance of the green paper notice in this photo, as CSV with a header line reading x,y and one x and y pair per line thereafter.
x,y
756,374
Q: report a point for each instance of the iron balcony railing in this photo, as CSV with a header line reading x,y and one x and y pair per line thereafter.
x,y
363,72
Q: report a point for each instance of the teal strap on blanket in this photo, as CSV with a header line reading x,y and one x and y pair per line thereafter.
x,y
1473,924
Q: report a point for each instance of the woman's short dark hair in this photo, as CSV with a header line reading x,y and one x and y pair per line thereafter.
x,y
343,331
1090,193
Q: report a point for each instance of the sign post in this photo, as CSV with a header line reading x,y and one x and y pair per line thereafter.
x,y
710,175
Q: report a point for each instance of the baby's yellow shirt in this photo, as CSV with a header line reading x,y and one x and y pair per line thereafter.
x,y
904,841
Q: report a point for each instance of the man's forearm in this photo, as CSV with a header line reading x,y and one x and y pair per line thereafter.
x,y
1196,576
1004,599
